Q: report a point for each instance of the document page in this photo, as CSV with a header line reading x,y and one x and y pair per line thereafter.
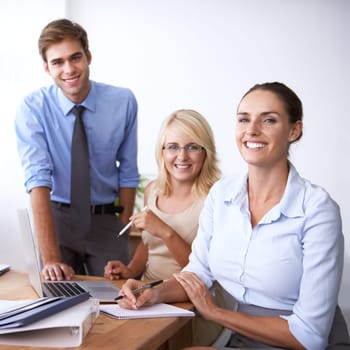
x,y
157,310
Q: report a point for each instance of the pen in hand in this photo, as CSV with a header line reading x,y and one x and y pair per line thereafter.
x,y
138,290
127,226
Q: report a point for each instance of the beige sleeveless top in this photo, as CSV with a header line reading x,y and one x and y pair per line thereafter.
x,y
161,264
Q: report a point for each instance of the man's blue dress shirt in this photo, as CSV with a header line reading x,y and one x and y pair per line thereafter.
x,y
44,127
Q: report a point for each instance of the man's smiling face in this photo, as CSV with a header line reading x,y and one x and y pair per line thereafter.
x,y
68,65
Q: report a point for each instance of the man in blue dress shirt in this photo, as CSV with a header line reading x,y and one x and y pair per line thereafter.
x,y
44,128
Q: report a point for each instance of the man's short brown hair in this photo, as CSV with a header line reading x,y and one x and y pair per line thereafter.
x,y
58,30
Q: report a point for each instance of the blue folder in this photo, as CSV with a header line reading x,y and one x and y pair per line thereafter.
x,y
38,310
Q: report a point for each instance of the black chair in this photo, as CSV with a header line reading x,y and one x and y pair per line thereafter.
x,y
339,335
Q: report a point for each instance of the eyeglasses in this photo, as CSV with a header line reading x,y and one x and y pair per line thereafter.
x,y
173,148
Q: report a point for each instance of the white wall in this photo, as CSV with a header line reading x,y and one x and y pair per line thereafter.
x,y
20,72
201,54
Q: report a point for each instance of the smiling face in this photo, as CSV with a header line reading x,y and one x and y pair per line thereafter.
x,y
183,165
68,65
263,130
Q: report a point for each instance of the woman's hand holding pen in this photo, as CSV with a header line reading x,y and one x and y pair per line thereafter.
x,y
150,222
132,300
147,220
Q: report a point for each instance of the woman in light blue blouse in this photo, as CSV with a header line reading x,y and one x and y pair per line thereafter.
x,y
272,239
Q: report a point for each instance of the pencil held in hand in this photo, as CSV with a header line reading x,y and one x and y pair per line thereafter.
x,y
128,225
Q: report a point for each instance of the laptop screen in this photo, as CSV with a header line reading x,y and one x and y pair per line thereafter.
x,y
30,248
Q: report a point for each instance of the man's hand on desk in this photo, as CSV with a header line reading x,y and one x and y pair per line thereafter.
x,y
57,272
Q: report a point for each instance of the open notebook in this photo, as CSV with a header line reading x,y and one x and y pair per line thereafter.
x,y
101,290
153,311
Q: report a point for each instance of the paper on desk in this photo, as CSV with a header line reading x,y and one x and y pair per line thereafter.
x,y
154,311
7,305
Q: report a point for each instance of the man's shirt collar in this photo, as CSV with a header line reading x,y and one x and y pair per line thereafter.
x,y
66,104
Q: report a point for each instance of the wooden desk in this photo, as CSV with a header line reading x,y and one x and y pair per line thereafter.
x,y
108,333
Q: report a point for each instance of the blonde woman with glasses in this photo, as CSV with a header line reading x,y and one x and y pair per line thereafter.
x,y
187,168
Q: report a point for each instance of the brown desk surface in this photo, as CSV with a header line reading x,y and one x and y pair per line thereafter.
x,y
108,333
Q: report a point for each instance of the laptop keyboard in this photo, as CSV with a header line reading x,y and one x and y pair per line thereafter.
x,y
65,289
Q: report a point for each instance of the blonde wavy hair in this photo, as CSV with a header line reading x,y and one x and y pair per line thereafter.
x,y
195,126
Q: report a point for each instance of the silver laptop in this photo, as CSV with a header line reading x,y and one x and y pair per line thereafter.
x,y
103,291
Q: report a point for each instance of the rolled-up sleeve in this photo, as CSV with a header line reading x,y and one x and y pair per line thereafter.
x,y
323,254
127,154
32,148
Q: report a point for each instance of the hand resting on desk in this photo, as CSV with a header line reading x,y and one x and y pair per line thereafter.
x,y
115,270
57,272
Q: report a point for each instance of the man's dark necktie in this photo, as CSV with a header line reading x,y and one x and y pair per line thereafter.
x,y
80,175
